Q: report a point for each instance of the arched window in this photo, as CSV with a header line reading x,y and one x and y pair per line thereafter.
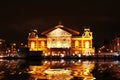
x,y
76,43
32,45
42,43
87,44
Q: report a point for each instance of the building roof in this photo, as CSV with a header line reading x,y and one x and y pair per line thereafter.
x,y
73,32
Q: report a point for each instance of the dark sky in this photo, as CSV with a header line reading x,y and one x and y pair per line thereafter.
x,y
18,18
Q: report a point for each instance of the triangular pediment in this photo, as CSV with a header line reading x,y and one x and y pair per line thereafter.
x,y
59,32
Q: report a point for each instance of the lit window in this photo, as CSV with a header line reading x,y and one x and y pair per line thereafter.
x,y
86,44
32,45
42,43
76,43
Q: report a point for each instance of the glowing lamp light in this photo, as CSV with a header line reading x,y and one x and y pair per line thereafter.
x,y
99,51
111,51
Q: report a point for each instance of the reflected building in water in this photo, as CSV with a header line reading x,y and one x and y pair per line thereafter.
x,y
61,41
63,70
59,70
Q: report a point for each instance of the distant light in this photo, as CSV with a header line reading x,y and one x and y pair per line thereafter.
x,y
62,61
21,44
79,60
45,54
62,55
99,51
18,50
0,42
73,54
111,51
79,55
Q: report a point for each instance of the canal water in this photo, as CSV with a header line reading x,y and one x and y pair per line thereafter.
x,y
62,69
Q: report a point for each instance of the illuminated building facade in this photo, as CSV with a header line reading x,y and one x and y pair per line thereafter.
x,y
61,41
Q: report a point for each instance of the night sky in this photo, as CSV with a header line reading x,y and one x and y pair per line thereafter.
x,y
18,18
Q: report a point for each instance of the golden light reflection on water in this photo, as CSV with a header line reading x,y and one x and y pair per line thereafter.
x,y
63,70
83,70
20,69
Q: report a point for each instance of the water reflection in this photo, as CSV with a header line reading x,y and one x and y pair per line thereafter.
x,y
63,70
21,69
